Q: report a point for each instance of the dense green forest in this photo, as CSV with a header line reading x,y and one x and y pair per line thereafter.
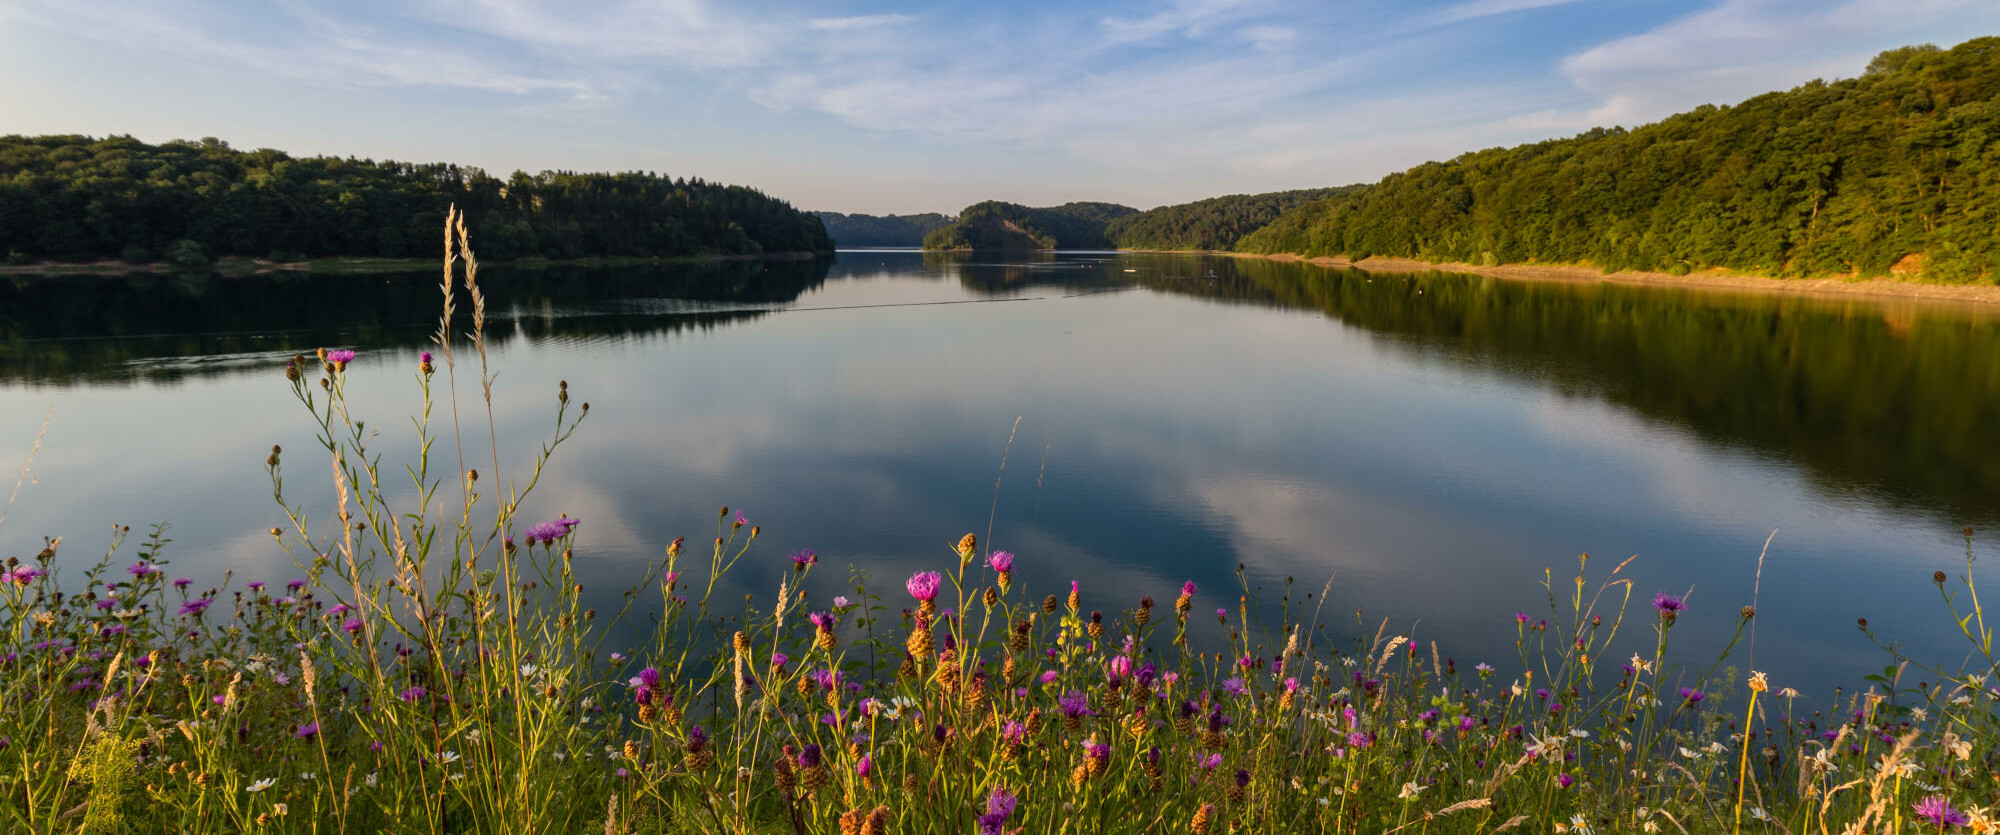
x,y
881,230
79,198
1899,168
997,225
1215,223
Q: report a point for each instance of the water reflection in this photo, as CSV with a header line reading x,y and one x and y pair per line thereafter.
x,y
1433,440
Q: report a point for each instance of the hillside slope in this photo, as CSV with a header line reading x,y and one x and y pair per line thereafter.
x,y
1895,171
995,225
1214,223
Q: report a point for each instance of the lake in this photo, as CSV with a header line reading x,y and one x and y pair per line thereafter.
x,y
1430,442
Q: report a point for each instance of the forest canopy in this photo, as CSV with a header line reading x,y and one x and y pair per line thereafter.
x,y
997,225
880,230
81,198
1216,223
1897,170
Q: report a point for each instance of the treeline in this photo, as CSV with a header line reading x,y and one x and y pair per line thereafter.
x,y
1216,223
881,230
997,225
79,198
1897,170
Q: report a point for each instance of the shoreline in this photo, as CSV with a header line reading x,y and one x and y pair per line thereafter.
x,y
1982,295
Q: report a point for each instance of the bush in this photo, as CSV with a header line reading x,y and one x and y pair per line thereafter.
x,y
136,254
186,253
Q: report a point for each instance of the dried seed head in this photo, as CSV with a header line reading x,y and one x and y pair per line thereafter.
x,y
1937,577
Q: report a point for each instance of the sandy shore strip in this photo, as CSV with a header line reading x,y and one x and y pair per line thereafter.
x,y
1882,288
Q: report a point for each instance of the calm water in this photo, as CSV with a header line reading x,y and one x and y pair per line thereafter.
x,y
1431,442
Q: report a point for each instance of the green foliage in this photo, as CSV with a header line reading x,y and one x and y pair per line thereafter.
x,y
885,230
78,198
1213,224
996,225
1844,178
186,253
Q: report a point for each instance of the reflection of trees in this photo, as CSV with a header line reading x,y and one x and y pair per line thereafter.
x,y
1895,403
78,328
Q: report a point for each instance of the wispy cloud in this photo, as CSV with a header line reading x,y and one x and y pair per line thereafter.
x,y
1485,8
857,22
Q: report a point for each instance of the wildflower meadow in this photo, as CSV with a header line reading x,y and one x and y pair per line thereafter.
x,y
433,666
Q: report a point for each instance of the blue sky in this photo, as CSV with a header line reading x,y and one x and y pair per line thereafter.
x,y
899,107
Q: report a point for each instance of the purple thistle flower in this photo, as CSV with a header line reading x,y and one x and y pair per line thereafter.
x,y
1074,704
255,585
425,358
1234,687
194,607
352,626
1521,618
1667,604
1187,589
551,530
1692,696
294,585
1050,676
823,620
1357,739
26,574
412,693
671,578
809,756
339,609
1940,812
1014,732
778,660
306,731
999,806
142,569
182,582
923,585
1222,615
339,356
697,739
804,557
864,766
1119,667
1564,780
108,603
1242,778
1000,561
1099,751
1211,762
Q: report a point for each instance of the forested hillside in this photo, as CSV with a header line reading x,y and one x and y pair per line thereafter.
x,y
1215,223
78,198
997,225
1897,170
880,230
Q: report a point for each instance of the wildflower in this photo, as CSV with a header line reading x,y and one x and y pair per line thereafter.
x,y
1222,616
351,626
552,530
923,585
448,757
1668,605
255,585
339,358
1410,791
1940,812
1235,687
25,574
1564,780
142,569
779,660
803,558
306,731
194,607
670,578
261,785
1521,618
999,806
1075,705
644,685
412,693
1691,696
824,622
840,602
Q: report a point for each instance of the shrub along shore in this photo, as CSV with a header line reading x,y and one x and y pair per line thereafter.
x,y
434,666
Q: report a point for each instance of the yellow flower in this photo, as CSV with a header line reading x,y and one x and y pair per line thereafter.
x,y
1757,683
